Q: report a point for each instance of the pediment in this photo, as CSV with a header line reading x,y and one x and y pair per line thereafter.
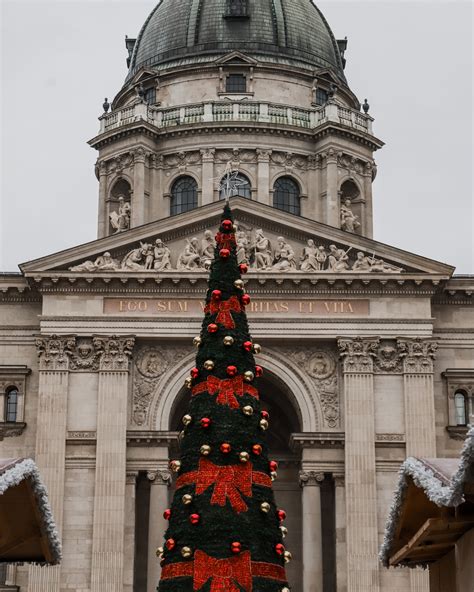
x,y
270,241
236,58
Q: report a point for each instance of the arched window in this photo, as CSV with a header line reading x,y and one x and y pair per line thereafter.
x,y
241,186
184,195
286,196
11,404
460,405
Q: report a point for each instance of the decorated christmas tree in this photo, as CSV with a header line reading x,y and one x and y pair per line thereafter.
x,y
225,531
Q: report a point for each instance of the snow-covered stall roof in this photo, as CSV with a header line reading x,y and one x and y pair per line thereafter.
x,y
427,485
28,532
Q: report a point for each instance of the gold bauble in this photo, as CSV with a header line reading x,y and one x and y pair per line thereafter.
x,y
160,551
257,348
239,284
186,552
285,589
288,557
187,499
197,341
265,507
175,465
228,340
205,450
187,419
244,457
264,424
284,531
209,365
247,410
188,382
249,376
273,475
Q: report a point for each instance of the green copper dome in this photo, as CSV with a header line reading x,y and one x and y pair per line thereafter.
x,y
292,32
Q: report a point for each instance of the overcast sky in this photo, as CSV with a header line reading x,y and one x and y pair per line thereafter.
x,y
412,60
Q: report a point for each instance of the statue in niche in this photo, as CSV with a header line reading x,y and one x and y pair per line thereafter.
x,y
120,220
338,259
262,249
313,258
349,221
284,256
242,247
190,258
135,259
161,256
207,249
104,262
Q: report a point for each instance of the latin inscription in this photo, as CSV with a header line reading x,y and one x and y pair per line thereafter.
x,y
192,307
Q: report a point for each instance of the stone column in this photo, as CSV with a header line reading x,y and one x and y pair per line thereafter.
x,y
368,219
361,492
207,180
420,424
54,354
312,532
332,194
160,480
263,176
129,555
138,200
341,552
110,476
103,222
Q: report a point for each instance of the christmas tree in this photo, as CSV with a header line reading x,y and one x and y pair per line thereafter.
x,y
225,531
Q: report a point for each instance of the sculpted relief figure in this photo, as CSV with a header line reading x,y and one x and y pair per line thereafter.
x,y
120,220
243,244
136,260
207,249
103,263
313,258
190,258
338,259
349,221
162,256
262,249
366,264
284,256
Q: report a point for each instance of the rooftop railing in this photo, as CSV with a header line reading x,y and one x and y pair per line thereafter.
x,y
227,111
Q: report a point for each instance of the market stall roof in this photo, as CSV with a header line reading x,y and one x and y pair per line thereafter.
x,y
433,507
28,533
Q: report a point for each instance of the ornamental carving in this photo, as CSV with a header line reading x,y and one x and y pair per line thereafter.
x,y
150,362
84,357
159,477
358,354
54,352
311,478
389,359
114,352
418,355
321,365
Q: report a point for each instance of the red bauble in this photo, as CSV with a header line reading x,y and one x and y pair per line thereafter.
x,y
243,268
194,518
246,299
232,370
258,371
226,448
265,415
257,449
167,514
227,225
212,328
195,372
205,422
273,465
170,544
280,549
216,295
236,547
248,346
281,515
224,253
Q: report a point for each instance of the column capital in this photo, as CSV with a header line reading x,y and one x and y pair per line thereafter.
x,y
263,155
358,354
54,351
339,479
140,155
159,476
131,477
311,478
418,355
115,352
207,154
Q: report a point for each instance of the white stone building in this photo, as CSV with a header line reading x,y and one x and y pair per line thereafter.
x,y
368,350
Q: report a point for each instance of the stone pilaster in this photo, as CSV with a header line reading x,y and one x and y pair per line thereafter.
x,y
109,497
314,205
102,229
312,531
207,182
54,353
129,555
263,176
368,216
332,193
159,206
341,551
361,492
160,480
138,200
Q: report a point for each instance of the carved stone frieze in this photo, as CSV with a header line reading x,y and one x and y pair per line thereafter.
x,y
358,354
114,352
55,352
11,430
84,357
418,355
311,478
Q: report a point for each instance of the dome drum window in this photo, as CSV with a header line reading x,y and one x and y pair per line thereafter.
x,y
184,195
240,187
236,9
287,196
236,83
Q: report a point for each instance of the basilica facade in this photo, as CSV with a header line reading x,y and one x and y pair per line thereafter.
x,y
368,350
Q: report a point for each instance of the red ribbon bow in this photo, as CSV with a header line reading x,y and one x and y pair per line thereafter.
x,y
223,310
225,241
227,390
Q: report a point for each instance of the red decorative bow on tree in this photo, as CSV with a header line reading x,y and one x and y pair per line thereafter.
x,y
223,310
226,390
231,482
225,241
